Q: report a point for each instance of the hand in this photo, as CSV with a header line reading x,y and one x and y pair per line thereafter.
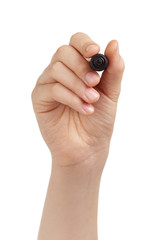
x,y
77,126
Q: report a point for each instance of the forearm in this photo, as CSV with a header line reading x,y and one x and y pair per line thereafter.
x,y
70,210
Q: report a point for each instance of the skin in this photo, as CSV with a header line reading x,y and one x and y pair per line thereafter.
x,y
78,139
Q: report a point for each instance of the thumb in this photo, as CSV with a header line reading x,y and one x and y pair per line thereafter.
x,y
110,82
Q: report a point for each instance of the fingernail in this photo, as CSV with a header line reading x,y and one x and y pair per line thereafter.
x,y
88,108
91,93
92,47
92,77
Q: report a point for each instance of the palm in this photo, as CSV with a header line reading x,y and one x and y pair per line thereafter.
x,y
68,132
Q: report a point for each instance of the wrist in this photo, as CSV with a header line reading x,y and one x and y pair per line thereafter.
x,y
93,163
77,176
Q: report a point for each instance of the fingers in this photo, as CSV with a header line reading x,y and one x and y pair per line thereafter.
x,y
71,58
49,95
69,79
84,44
60,73
111,78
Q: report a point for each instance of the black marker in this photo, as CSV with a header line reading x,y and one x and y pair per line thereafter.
x,y
99,62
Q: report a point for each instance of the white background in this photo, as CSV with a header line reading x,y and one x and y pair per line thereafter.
x,y
31,31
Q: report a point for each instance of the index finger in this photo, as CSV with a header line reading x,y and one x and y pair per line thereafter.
x,y
84,44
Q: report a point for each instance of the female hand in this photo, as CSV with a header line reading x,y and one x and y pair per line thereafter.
x,y
74,107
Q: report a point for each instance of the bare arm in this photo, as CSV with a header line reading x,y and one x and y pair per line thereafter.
x,y
77,127
70,210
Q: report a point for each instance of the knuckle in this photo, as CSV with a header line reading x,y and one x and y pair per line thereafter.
x,y
55,66
114,96
75,35
61,49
